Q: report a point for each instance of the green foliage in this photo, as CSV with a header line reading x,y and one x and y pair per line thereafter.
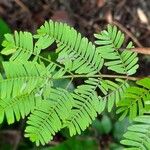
x,y
136,103
138,135
104,126
28,82
109,42
49,115
4,29
120,127
18,89
22,47
136,100
112,91
75,51
76,144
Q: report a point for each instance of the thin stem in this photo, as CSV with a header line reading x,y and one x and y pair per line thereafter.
x,y
43,58
91,76
102,76
54,63
69,83
128,33
23,6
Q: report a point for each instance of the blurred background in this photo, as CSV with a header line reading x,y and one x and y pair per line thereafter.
x,y
88,17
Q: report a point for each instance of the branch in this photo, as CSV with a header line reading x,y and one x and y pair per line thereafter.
x,y
22,5
142,50
128,33
103,76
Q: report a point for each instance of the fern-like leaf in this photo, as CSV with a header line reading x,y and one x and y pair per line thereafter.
x,y
87,105
22,46
109,42
30,86
18,90
112,91
136,100
75,51
138,135
49,116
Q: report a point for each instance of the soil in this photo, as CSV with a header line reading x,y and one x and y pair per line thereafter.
x,y
87,16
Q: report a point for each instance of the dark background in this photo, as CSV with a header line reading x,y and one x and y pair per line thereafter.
x,y
88,17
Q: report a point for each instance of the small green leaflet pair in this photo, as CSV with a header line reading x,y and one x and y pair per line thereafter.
x,y
27,83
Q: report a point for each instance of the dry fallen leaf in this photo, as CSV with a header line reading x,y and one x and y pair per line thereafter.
x,y
62,16
109,16
100,3
142,16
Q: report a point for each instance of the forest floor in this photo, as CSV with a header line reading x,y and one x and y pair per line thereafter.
x,y
87,16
